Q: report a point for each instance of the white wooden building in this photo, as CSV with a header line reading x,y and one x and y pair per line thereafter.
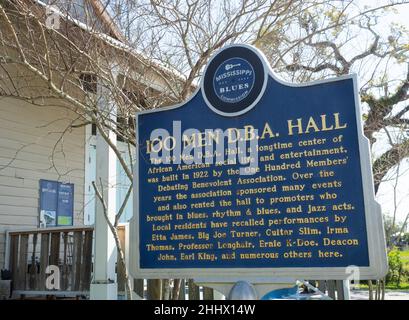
x,y
35,143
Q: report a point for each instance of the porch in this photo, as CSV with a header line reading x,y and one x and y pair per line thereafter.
x,y
58,263
51,261
30,251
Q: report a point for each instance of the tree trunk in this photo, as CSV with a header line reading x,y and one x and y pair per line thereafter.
x,y
383,289
370,289
182,289
166,289
208,293
154,289
176,289
193,291
139,287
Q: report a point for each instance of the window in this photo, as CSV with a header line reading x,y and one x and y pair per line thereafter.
x,y
89,82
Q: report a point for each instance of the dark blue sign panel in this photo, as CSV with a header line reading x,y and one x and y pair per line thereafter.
x,y
56,203
300,203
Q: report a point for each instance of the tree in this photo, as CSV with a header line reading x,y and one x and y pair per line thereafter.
x,y
360,43
338,40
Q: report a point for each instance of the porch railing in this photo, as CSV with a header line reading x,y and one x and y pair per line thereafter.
x,y
52,261
31,252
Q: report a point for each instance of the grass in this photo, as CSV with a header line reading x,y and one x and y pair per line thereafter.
x,y
392,286
405,257
403,286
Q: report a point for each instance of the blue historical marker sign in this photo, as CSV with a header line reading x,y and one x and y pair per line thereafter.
x,y
255,175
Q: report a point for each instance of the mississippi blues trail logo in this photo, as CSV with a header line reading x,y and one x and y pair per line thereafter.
x,y
234,80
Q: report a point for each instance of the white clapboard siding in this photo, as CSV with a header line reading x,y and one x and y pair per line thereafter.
x,y
24,155
20,173
40,164
20,140
30,136
33,148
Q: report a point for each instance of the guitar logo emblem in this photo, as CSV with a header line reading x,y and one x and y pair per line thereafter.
x,y
231,66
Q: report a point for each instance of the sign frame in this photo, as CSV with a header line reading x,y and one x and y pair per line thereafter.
x,y
373,218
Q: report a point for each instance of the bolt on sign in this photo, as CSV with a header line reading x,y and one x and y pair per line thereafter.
x,y
256,176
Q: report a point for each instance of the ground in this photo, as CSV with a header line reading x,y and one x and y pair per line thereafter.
x,y
389,295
